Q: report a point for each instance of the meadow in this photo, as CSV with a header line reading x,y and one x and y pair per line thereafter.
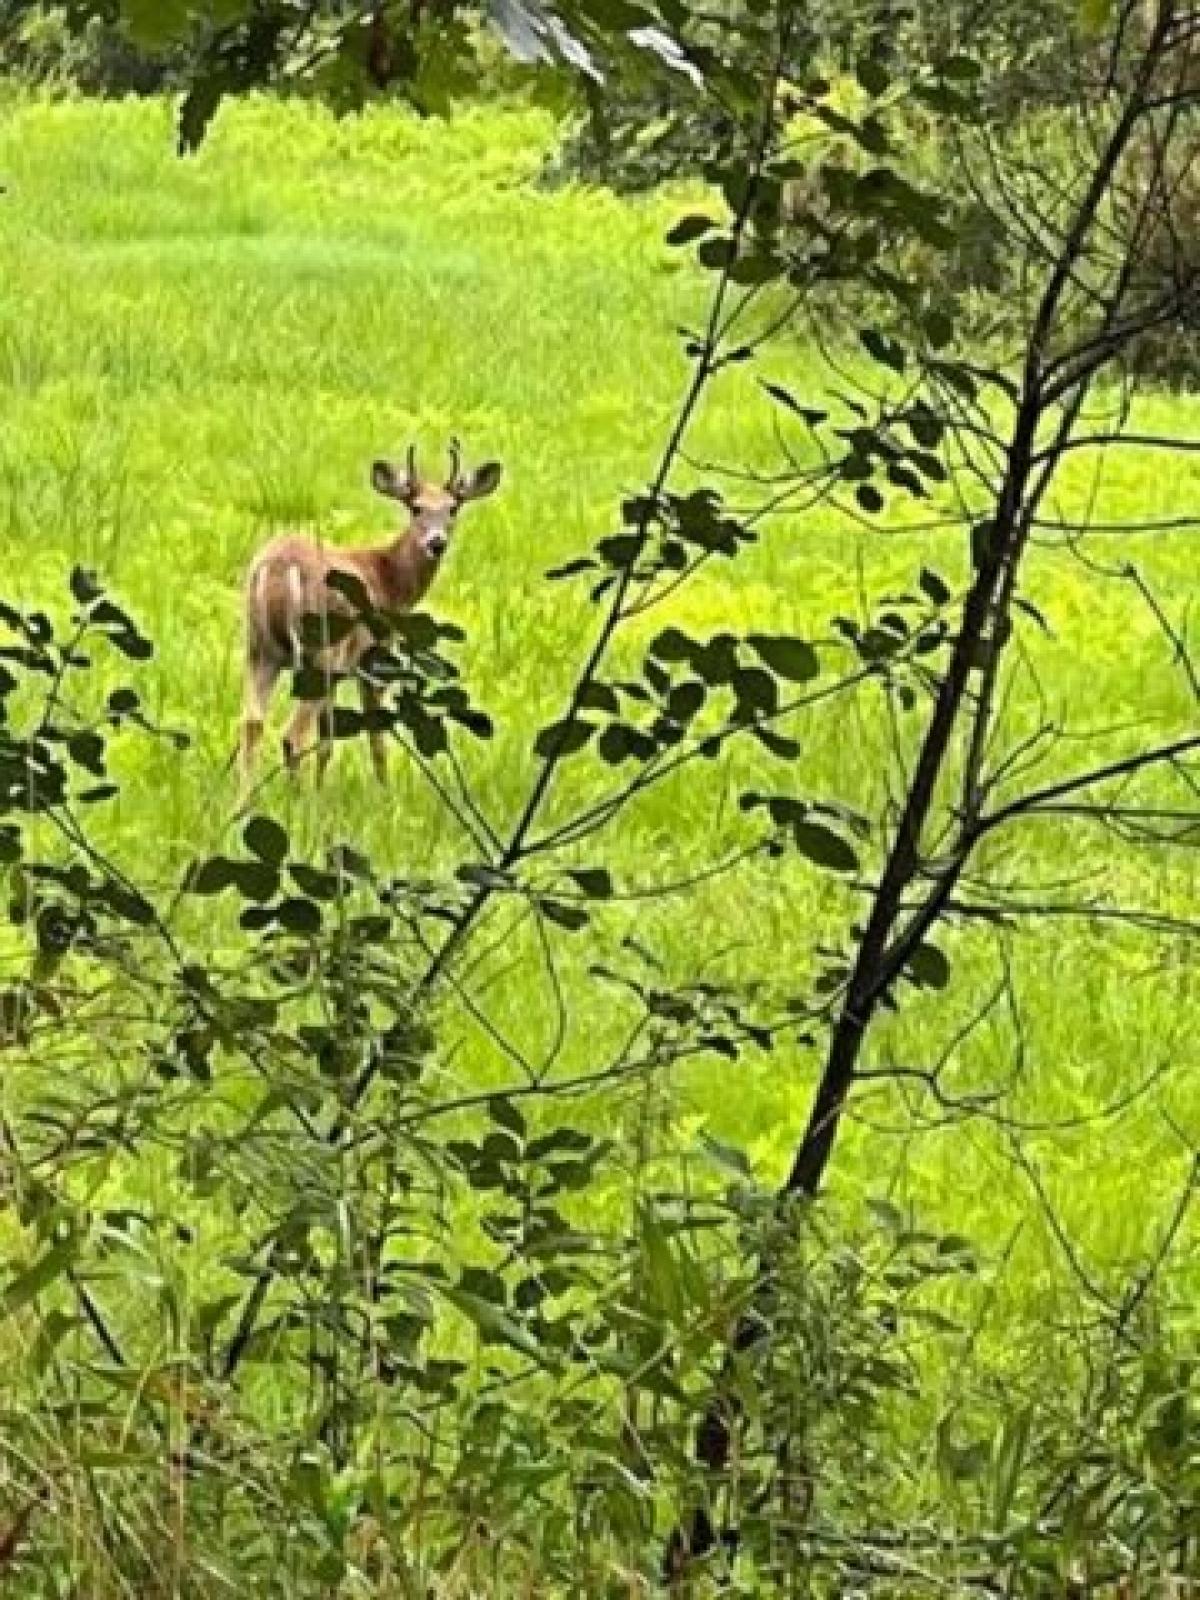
x,y
195,355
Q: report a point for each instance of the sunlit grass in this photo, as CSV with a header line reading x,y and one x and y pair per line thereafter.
x,y
194,355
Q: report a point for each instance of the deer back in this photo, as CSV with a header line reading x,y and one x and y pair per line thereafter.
x,y
289,580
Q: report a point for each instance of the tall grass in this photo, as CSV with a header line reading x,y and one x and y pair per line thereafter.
x,y
196,354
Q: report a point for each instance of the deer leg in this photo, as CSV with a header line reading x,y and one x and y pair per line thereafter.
x,y
371,704
261,673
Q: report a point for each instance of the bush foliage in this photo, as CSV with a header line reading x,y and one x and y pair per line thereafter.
x,y
296,1306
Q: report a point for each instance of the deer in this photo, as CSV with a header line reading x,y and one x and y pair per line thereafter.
x,y
289,580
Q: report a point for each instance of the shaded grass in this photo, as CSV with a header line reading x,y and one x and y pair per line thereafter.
x,y
195,355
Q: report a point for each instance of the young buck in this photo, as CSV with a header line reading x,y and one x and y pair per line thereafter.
x,y
288,581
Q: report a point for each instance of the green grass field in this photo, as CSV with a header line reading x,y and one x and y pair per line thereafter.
x,y
196,355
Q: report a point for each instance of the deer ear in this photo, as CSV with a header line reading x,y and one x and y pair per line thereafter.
x,y
386,480
483,481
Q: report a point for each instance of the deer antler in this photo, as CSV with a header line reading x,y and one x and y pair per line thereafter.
x,y
455,464
410,464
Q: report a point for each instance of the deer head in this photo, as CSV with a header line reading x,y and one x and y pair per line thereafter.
x,y
434,507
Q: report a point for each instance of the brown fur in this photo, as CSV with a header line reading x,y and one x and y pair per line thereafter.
x,y
288,581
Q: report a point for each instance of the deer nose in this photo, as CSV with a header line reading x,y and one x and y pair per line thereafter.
x,y
436,544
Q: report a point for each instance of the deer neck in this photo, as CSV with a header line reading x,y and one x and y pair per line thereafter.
x,y
403,571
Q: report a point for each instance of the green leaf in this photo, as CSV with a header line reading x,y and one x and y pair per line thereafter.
x,y
496,1326
905,478
956,375
506,1115
718,255
939,329
565,738
620,550
661,1266
959,1247
482,876
573,918
489,1286
782,808
934,586
560,1141
873,75
131,643
926,428
869,498
690,228
672,644
756,690
760,267
309,682
87,749
727,1156
317,885
928,968
886,1213
351,588
883,349
595,882
299,916
211,876
319,632
596,696
98,793
429,734
128,904
782,748
255,880
872,134
1009,1455
267,840
619,742
823,847
929,465
811,416
85,587
717,661
26,1286
791,658
686,700
571,569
